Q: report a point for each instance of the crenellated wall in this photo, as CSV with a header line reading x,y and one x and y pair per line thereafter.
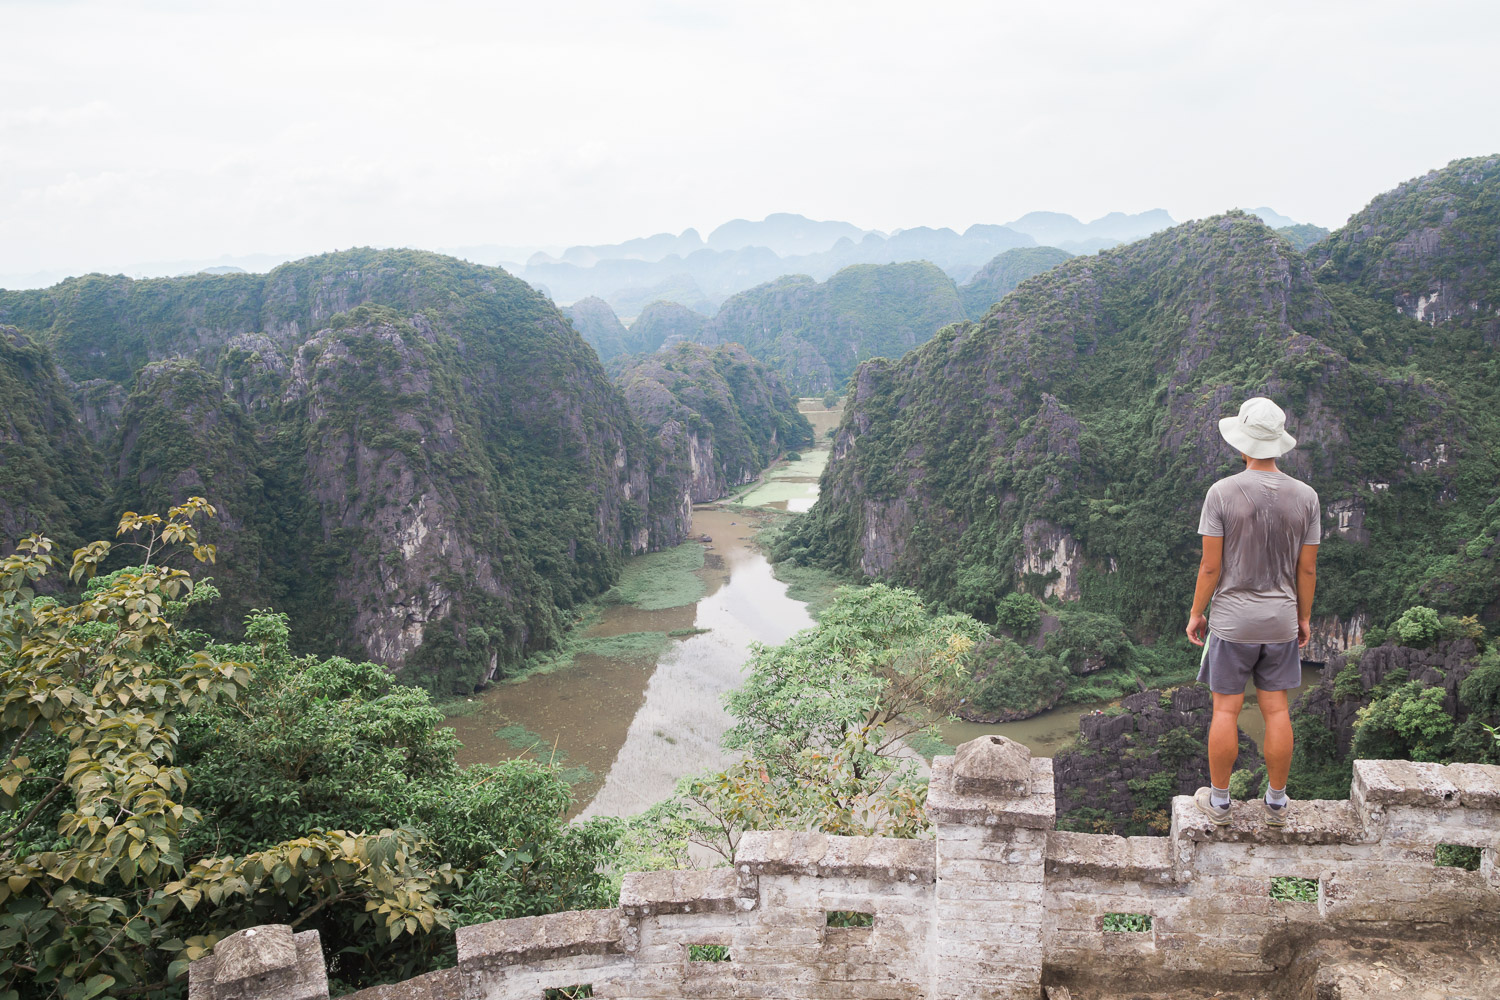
x,y
996,904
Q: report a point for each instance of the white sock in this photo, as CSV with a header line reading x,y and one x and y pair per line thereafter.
x,y
1276,797
1218,797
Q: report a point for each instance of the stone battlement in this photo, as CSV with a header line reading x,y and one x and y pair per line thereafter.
x,y
995,905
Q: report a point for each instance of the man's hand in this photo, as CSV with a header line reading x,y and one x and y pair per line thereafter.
x,y
1304,631
1197,630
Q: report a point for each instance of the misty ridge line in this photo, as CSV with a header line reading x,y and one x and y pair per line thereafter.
x,y
782,243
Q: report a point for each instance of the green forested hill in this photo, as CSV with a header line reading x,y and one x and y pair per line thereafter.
x,y
597,323
48,468
1063,444
1002,274
1429,247
713,413
815,334
417,457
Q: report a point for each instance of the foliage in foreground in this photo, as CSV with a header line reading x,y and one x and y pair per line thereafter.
x,y
823,722
160,791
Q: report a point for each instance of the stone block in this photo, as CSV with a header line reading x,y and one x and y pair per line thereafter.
x,y
1102,856
716,890
782,852
1404,783
501,943
993,766
444,984
948,805
1478,784
261,963
1313,821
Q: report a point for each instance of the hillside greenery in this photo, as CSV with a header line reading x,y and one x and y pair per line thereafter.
x,y
162,790
388,435
1085,404
999,277
815,334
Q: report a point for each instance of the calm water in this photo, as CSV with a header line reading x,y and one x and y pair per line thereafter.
x,y
639,726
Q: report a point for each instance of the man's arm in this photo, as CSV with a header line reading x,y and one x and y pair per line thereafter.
x,y
1307,582
1209,568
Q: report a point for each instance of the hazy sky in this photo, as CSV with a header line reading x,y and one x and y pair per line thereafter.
x,y
174,129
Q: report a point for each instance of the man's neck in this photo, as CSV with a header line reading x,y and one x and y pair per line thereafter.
x,y
1261,464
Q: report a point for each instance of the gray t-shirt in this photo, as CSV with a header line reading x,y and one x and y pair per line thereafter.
x,y
1264,518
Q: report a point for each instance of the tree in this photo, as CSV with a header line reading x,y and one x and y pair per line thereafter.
x,y
821,724
95,894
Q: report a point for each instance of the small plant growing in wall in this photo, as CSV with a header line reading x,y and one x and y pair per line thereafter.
x,y
708,953
1127,923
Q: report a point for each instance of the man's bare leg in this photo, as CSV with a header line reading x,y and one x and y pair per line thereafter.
x,y
1278,748
1224,737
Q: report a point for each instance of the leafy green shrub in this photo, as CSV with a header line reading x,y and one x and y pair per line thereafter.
x,y
1019,614
708,953
1241,784
1408,723
1089,640
850,918
1291,888
830,400
1011,679
1456,856
794,456
1418,626
1127,923
1347,683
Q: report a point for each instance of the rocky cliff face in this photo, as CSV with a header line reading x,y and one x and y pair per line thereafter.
x,y
1125,768
717,415
48,465
417,457
1063,445
179,436
1428,247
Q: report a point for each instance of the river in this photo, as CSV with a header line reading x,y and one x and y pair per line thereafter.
x,y
631,727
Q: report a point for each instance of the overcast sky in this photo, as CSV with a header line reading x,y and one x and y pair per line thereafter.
x,y
177,129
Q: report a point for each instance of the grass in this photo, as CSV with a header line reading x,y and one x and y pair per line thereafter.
x,y
660,580
850,918
457,706
930,745
775,491
679,633
524,741
708,953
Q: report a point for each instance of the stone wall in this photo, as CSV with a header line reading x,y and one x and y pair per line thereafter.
x,y
995,905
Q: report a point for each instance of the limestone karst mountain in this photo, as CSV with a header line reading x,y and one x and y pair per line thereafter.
x,y
1062,444
418,458
814,334
714,412
1003,273
597,324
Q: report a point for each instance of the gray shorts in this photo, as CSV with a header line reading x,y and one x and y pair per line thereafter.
x,y
1226,666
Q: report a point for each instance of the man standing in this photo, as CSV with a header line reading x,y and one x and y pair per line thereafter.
x,y
1260,533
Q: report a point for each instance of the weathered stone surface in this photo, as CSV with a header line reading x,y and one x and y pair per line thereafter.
x,y
530,939
993,766
1405,783
781,852
948,804
995,906
1104,856
259,963
444,984
652,893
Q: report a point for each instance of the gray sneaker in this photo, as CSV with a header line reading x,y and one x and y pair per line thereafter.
x,y
1277,817
1204,801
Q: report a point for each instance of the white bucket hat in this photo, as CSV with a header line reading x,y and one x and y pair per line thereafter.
x,y
1260,429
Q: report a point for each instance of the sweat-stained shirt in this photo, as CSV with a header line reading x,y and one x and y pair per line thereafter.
x,y
1264,518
